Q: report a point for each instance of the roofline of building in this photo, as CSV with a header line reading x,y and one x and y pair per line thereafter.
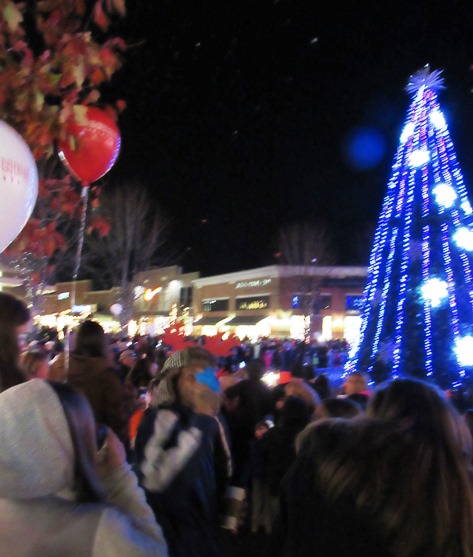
x,y
277,271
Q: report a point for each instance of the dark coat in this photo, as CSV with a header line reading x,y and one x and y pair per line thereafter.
x,y
103,389
185,505
250,401
280,441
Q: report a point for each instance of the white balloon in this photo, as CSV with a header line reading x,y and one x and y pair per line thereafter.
x,y
18,184
116,309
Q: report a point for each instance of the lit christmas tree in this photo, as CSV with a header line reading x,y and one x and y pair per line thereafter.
x,y
418,302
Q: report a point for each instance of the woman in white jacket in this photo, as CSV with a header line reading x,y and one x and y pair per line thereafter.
x,y
57,498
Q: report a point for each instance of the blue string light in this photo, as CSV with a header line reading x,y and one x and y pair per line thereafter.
x,y
418,301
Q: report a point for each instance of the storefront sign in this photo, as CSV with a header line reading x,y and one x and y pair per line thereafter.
x,y
252,283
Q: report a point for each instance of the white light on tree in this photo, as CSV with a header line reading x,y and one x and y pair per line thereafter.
x,y
418,158
464,351
467,208
407,132
437,119
463,237
434,291
445,195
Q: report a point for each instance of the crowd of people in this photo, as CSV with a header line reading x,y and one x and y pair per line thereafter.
x,y
116,447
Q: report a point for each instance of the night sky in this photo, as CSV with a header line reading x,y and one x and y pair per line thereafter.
x,y
246,115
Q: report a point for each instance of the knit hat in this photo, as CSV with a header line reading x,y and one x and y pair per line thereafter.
x,y
193,356
176,360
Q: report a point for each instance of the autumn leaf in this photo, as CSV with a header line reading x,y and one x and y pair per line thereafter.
x,y
38,100
79,73
41,89
121,105
12,16
100,19
117,6
80,114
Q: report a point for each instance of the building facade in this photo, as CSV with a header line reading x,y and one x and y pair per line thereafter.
x,y
283,301
160,295
273,301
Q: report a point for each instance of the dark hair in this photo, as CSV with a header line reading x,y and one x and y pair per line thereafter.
x,y
13,311
91,340
295,414
81,424
468,419
421,413
13,314
411,489
255,369
415,404
140,375
340,408
321,385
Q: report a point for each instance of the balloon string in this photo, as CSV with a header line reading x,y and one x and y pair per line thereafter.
x,y
80,245
80,241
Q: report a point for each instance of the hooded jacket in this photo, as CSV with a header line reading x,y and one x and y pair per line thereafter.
x,y
38,514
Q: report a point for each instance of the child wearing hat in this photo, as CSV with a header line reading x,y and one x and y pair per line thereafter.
x,y
183,461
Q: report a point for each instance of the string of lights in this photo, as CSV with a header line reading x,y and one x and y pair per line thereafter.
x,y
417,314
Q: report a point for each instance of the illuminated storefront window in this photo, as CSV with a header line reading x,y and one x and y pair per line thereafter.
x,y
252,302
221,304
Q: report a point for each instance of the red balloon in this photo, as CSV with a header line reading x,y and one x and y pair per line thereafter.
x,y
97,143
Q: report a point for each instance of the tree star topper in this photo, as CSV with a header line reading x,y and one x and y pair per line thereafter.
x,y
424,77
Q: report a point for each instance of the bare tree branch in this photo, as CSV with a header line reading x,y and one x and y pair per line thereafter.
x,y
133,244
305,245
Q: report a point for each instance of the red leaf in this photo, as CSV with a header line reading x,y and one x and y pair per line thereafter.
x,y
121,105
100,19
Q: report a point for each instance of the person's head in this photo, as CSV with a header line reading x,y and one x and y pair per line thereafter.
x,y
299,388
127,358
295,413
337,408
178,377
410,490
414,404
34,364
140,374
355,383
321,385
14,313
91,340
255,369
14,322
47,434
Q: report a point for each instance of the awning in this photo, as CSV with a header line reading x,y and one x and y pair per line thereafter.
x,y
208,321
245,320
151,314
